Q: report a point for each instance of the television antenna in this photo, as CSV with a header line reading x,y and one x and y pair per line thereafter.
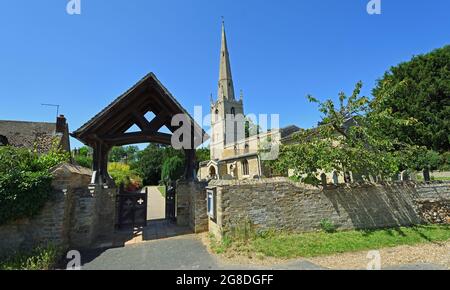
x,y
55,106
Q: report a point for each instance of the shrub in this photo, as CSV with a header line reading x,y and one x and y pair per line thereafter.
x,y
445,162
328,226
16,159
83,157
84,161
123,175
41,258
23,194
25,181
51,159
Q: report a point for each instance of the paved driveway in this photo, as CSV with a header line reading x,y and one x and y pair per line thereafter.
x,y
156,205
179,253
186,253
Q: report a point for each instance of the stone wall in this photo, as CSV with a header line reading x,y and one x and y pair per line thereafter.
x,y
64,221
285,205
191,205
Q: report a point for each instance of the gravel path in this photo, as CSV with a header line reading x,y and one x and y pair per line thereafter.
x,y
432,256
156,205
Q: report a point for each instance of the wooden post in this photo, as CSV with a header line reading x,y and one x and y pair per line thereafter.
x,y
100,163
189,171
323,179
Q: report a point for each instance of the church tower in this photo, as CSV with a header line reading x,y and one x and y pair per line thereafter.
x,y
225,106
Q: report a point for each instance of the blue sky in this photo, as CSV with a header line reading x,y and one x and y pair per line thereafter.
x,y
281,50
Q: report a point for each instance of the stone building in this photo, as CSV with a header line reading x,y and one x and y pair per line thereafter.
x,y
39,136
234,147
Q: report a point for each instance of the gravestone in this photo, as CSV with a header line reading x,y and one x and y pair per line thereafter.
x,y
426,175
335,178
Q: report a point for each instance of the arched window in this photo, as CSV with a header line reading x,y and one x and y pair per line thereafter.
x,y
216,115
247,148
233,112
233,171
212,172
245,168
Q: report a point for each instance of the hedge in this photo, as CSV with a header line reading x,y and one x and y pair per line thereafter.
x,y
25,181
23,194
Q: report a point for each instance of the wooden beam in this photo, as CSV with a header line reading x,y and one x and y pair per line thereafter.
x,y
137,138
123,118
141,121
152,106
121,108
160,120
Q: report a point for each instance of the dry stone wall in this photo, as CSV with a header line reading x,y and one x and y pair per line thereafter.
x,y
65,221
285,205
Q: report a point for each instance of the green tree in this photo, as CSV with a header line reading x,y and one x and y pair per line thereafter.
x,y
203,154
416,97
347,139
172,169
149,162
126,154
83,157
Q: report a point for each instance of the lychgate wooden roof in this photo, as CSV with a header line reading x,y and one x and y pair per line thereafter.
x,y
148,95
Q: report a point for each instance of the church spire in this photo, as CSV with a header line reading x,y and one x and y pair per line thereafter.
x,y
226,87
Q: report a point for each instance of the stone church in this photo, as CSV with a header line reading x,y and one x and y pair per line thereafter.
x,y
235,145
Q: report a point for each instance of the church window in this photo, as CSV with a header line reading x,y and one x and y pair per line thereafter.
x,y
233,112
247,148
245,168
216,115
212,172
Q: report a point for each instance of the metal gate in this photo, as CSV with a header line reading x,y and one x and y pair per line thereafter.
x,y
132,209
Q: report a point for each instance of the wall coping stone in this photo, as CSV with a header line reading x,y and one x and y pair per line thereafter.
x,y
66,169
303,186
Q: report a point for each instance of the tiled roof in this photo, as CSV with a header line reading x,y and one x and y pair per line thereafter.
x,y
32,135
107,110
288,131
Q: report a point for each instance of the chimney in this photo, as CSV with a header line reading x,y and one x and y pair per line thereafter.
x,y
61,124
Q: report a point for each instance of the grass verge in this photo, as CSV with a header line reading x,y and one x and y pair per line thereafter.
x,y
41,258
162,190
287,246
